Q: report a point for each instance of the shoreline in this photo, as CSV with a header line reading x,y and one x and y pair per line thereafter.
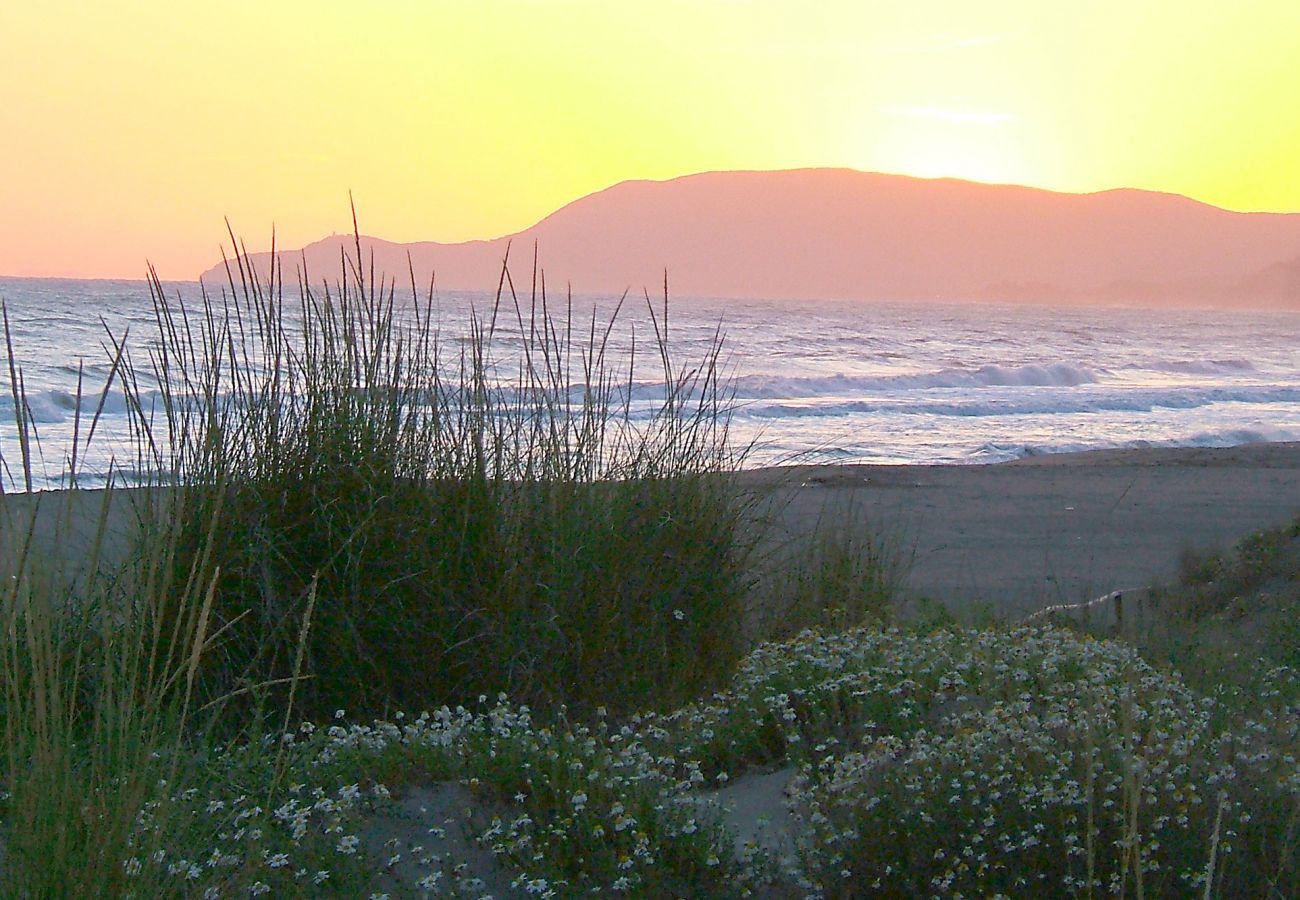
x,y
1013,537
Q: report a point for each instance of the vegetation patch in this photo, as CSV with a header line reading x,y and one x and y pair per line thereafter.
x,y
1232,621
528,573
407,527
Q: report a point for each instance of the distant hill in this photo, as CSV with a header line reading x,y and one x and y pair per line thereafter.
x,y
840,233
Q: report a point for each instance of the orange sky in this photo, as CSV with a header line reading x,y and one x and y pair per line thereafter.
x,y
128,130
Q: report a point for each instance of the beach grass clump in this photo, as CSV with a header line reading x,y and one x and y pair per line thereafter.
x,y
334,513
97,704
1232,620
396,525
845,573
97,674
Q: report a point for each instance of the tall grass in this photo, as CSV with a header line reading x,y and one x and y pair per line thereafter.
x,y
95,693
341,512
845,573
470,522
344,513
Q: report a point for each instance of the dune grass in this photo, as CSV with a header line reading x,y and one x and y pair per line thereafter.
x,y
466,524
1232,620
97,677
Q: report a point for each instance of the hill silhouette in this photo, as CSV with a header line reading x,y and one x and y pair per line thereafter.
x,y
841,233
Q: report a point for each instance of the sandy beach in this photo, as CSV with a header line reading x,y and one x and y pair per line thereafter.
x,y
1014,536
1054,529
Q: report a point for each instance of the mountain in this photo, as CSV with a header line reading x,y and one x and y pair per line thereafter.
x,y
840,233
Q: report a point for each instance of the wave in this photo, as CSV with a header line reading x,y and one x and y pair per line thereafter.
x,y
995,451
762,397
53,406
1197,366
764,387
1134,401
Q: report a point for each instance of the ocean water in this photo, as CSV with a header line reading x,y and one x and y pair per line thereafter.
x,y
831,381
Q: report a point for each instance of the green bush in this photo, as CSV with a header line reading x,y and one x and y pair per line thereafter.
x,y
1026,762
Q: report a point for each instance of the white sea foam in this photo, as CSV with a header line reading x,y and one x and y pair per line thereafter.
x,y
54,406
1049,404
1204,366
1235,437
813,381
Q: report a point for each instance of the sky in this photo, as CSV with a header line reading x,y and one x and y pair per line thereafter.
x,y
130,132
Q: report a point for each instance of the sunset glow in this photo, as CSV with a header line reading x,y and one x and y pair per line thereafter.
x,y
129,130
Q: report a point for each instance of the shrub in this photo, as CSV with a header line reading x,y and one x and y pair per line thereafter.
x,y
1023,762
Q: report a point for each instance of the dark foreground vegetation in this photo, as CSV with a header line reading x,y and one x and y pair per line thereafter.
x,y
502,573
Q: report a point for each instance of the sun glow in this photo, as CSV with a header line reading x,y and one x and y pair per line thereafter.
x,y
938,143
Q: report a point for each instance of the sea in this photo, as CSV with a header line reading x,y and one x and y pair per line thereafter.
x,y
810,381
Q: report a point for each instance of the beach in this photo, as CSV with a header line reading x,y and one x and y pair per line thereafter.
x,y
1007,538
1061,528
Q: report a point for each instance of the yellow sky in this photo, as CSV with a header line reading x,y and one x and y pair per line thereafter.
x,y
129,130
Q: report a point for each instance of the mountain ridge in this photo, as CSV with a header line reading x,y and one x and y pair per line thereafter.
x,y
845,234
